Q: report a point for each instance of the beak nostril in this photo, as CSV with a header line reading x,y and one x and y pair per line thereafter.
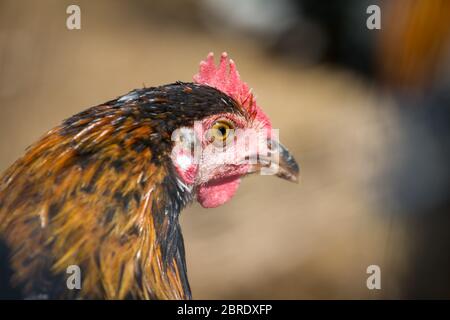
x,y
272,145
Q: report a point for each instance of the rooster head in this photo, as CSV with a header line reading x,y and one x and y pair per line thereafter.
x,y
217,151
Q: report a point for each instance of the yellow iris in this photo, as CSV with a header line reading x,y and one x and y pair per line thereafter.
x,y
221,130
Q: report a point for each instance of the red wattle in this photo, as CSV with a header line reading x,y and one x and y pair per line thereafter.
x,y
214,194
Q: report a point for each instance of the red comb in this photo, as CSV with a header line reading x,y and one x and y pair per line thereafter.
x,y
226,78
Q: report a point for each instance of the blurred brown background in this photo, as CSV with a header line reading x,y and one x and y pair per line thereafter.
x,y
368,130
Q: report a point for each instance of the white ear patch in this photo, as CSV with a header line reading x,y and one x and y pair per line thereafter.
x,y
182,156
183,161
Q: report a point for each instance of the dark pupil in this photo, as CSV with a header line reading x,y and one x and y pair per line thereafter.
x,y
222,130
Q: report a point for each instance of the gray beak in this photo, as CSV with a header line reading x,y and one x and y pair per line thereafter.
x,y
277,162
287,168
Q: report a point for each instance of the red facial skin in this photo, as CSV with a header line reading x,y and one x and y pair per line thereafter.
x,y
213,179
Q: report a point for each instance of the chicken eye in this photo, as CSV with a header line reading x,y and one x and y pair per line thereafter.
x,y
221,130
